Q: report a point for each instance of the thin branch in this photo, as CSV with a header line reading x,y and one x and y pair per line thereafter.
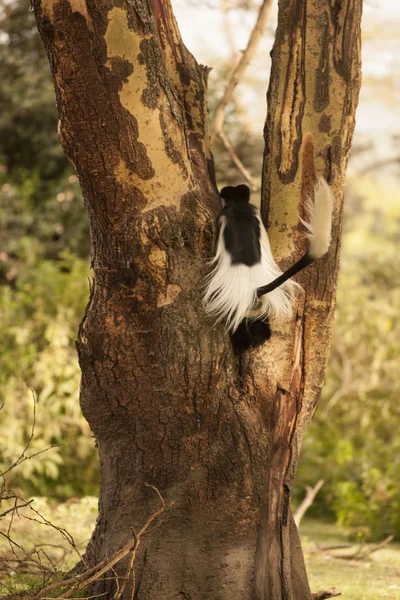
x,y
15,508
22,456
238,71
307,501
238,162
84,579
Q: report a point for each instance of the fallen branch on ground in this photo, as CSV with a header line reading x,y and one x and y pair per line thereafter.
x,y
331,593
364,552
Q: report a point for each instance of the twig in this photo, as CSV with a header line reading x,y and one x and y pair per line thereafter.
x,y
307,501
385,542
238,71
326,594
237,161
63,532
15,508
80,597
22,457
362,553
90,575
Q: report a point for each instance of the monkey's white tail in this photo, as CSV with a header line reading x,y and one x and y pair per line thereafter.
x,y
319,223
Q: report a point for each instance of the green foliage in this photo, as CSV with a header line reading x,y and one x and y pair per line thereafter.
x,y
45,225
41,313
28,120
40,195
43,273
353,442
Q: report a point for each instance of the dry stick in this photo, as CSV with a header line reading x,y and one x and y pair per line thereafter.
x,y
237,161
361,554
380,546
307,501
129,571
15,508
63,532
91,575
80,597
326,594
241,66
22,457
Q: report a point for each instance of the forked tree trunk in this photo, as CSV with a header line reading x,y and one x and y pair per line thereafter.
x,y
169,403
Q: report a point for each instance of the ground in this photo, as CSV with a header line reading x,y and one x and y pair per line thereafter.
x,y
372,579
375,579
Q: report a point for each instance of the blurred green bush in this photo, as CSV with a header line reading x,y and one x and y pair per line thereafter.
x,y
353,442
44,247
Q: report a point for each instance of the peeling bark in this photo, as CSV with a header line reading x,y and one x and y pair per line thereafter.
x,y
169,403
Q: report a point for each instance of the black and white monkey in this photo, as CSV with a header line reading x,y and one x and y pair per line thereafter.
x,y
246,288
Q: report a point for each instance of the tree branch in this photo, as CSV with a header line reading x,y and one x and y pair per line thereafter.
x,y
237,161
240,68
307,501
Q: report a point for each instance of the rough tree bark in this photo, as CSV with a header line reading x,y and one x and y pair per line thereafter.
x,y
169,403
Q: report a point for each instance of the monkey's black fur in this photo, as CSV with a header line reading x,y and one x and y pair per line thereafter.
x,y
250,334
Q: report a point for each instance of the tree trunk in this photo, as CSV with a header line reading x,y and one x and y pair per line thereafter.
x,y
169,403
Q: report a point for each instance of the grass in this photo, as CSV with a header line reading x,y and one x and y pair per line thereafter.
x,y
373,579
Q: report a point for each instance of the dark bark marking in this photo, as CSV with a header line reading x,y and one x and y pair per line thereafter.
x,y
151,94
336,150
345,35
297,40
170,148
325,123
322,79
121,68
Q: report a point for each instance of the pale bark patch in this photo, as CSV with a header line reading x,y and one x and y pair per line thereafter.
x,y
158,258
170,181
173,290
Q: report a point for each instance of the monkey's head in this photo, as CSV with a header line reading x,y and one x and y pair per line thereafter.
x,y
235,193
